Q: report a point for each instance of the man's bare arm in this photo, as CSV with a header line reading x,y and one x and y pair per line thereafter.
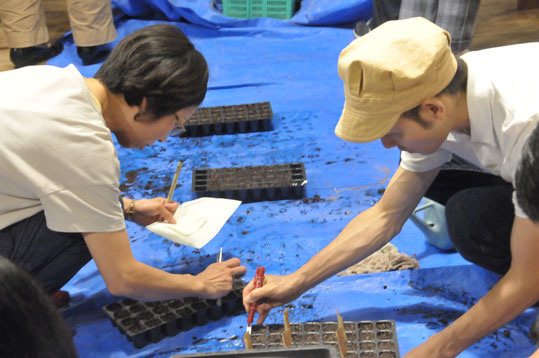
x,y
365,234
372,229
125,276
516,291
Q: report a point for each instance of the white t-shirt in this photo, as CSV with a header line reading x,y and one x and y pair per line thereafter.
x,y
503,107
56,153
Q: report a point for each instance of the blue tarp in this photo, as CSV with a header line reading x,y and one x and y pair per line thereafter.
x,y
292,64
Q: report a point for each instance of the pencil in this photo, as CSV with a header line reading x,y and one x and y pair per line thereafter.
x,y
174,181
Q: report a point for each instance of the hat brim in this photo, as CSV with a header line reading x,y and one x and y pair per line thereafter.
x,y
354,127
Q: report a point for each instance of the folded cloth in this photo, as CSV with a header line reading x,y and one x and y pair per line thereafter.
x,y
388,258
197,221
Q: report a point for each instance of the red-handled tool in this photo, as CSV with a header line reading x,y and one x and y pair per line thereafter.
x,y
258,281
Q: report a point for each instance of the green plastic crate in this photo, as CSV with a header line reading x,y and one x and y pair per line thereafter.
x,y
246,9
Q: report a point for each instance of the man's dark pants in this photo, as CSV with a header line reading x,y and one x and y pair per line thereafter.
x,y
479,213
52,258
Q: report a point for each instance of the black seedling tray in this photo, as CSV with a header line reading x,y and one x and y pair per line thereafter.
x,y
364,339
253,117
252,183
145,322
301,352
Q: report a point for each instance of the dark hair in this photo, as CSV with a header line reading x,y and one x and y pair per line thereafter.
x,y
457,84
30,325
158,63
527,177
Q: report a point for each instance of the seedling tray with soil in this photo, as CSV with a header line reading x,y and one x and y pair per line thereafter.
x,y
145,322
303,352
251,183
364,339
253,117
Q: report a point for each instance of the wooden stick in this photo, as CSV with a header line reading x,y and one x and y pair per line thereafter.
x,y
247,341
287,333
341,336
174,181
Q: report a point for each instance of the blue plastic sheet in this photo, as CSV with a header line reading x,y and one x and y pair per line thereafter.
x,y
295,68
204,12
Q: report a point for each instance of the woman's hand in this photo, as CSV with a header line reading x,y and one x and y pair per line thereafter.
x,y
148,211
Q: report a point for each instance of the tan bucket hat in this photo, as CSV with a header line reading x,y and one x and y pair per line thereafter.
x,y
389,71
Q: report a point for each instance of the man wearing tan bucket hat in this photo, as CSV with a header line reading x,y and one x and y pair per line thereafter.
x,y
403,85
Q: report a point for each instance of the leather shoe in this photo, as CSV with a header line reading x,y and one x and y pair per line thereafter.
x,y
92,54
33,55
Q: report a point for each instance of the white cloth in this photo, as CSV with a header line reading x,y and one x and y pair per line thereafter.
x,y
197,221
56,153
503,107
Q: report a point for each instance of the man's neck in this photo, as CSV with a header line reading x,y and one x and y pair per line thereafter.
x,y
459,113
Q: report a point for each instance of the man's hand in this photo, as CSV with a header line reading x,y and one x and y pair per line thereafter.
x,y
218,277
430,349
148,211
276,291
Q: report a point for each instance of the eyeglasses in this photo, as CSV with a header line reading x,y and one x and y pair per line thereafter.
x,y
179,129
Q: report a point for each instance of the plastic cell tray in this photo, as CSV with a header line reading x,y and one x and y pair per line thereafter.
x,y
145,322
251,183
242,118
364,339
303,352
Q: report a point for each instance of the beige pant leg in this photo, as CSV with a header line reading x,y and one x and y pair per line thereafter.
x,y
23,22
91,22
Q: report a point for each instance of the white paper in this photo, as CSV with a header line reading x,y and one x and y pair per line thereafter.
x,y
197,221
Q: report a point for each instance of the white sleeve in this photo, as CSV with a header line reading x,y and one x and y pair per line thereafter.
x,y
416,162
92,208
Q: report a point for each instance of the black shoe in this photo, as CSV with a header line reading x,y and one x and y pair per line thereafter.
x,y
361,28
28,56
93,54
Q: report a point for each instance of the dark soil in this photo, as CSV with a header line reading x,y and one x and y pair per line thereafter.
x,y
386,345
329,327
311,327
365,326
275,328
113,307
145,316
383,325
121,314
136,308
153,322
160,310
367,346
275,338
384,335
184,312
168,317
366,336
175,304
312,338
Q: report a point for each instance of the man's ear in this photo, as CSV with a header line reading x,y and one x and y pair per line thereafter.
x,y
433,109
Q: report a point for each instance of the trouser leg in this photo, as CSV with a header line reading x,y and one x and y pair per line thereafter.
x,y
23,22
384,10
456,16
479,214
91,21
479,221
52,258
